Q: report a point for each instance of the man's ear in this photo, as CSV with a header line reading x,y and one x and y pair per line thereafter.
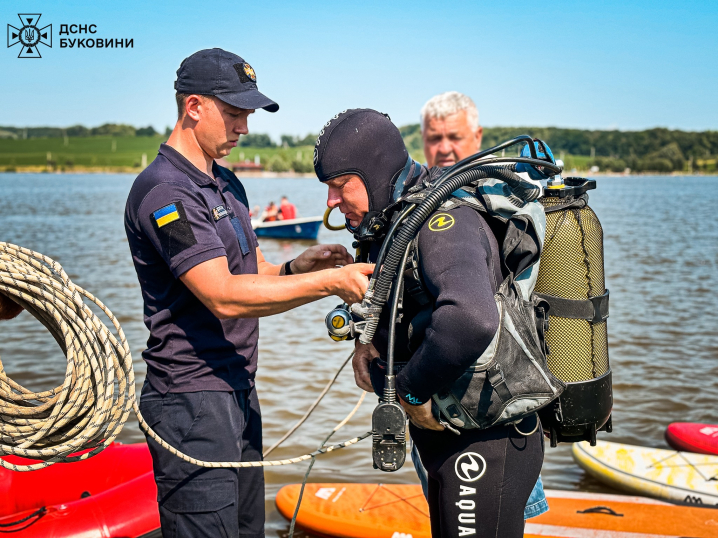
x,y
192,105
479,135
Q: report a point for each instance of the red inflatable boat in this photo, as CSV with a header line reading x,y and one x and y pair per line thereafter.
x,y
110,495
693,437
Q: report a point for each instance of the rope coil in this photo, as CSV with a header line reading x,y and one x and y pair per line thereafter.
x,y
89,409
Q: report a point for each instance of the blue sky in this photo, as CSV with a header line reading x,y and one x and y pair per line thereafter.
x,y
602,64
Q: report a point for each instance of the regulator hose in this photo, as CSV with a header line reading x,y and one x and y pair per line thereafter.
x,y
87,412
378,291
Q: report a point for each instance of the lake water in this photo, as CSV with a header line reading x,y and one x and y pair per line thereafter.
x,y
661,256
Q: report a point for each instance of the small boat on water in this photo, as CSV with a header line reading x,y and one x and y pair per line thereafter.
x,y
109,495
304,228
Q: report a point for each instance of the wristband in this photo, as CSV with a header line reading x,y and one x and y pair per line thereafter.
x,y
288,267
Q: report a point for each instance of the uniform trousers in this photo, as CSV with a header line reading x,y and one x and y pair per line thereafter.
x,y
198,502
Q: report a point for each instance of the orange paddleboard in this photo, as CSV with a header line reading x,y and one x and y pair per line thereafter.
x,y
400,511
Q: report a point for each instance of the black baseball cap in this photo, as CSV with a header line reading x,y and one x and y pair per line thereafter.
x,y
224,75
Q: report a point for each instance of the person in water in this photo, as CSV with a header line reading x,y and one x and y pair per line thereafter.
x,y
450,132
204,283
479,481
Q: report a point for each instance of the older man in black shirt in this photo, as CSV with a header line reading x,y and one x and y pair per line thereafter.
x,y
204,283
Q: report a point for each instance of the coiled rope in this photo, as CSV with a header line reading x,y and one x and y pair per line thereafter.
x,y
94,401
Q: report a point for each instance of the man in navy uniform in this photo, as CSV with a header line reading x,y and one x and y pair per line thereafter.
x,y
204,283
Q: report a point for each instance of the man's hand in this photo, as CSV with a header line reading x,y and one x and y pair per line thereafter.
x,y
321,257
363,355
421,415
8,308
350,282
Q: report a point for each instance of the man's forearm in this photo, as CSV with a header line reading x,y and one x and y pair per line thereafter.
x,y
269,269
251,296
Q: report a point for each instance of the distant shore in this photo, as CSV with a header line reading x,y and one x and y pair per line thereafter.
x,y
131,170
290,174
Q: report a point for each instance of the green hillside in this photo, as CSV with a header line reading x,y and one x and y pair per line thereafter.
x,y
115,147
69,153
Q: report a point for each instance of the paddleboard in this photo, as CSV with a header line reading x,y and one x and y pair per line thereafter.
x,y
693,437
400,511
680,477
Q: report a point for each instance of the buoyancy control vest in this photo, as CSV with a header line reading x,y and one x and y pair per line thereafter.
x,y
566,288
511,379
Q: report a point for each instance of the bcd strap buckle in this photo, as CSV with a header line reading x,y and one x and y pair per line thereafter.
x,y
600,308
495,375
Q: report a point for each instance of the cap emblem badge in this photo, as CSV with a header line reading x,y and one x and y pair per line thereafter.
x,y
250,72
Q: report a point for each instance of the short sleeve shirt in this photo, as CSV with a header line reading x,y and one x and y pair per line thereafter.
x,y
177,217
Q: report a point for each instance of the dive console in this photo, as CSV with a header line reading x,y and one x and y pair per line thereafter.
x,y
389,418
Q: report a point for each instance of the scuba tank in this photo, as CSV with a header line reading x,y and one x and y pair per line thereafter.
x,y
571,279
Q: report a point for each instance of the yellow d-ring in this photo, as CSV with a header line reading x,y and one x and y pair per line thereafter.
x,y
326,221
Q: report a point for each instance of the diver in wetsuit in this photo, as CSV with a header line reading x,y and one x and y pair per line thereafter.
x,y
480,480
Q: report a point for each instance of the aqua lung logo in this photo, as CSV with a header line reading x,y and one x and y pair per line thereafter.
x,y
29,36
470,466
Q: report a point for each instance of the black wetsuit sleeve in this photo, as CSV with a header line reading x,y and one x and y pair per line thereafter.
x,y
456,266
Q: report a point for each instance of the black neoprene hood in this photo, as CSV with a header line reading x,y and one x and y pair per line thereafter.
x,y
364,142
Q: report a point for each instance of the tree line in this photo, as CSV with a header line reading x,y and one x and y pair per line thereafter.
x,y
659,149
78,131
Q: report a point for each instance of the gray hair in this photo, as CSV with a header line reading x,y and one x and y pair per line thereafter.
x,y
448,103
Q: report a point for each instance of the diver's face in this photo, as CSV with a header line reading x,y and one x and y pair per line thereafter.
x,y
348,193
450,139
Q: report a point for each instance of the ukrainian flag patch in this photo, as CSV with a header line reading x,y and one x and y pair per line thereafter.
x,y
173,230
166,215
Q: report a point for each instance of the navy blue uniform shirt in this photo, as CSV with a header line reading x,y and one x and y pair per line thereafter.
x,y
176,218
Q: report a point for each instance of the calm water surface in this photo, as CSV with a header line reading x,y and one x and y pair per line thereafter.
x,y
661,250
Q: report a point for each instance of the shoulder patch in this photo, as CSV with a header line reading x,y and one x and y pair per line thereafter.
x,y
165,215
441,222
173,229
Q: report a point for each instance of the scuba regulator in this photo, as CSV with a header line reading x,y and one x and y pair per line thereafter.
x,y
389,417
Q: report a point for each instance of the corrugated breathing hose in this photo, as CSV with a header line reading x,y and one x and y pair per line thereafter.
x,y
94,401
378,291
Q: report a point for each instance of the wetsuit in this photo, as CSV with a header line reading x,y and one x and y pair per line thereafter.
x,y
479,481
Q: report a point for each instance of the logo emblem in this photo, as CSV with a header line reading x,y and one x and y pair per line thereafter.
x,y
470,466
29,36
441,222
219,212
249,72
